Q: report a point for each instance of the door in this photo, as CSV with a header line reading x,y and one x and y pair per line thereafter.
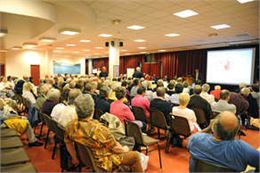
x,y
35,74
2,70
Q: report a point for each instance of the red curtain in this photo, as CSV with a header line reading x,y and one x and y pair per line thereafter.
x,y
153,68
131,61
100,62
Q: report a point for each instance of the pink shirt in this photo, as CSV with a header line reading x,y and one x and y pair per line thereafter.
x,y
142,102
122,111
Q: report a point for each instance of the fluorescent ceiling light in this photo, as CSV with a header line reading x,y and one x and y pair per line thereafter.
x,y
85,41
186,13
16,48
135,27
57,51
86,50
172,35
123,50
161,50
3,50
244,1
105,35
76,52
140,40
29,45
141,47
143,52
3,32
47,39
99,47
69,32
59,48
221,26
71,45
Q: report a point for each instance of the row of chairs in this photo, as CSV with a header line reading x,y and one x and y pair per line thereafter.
x,y
13,156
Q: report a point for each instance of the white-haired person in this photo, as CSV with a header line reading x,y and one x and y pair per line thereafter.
x,y
183,111
28,92
138,73
107,152
53,98
216,92
204,93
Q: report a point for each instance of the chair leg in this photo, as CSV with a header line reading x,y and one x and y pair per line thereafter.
x,y
41,129
159,136
54,150
47,138
167,147
159,152
146,150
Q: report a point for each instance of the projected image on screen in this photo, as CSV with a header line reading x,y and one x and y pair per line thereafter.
x,y
62,68
230,66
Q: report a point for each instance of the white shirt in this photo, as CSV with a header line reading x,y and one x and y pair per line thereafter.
x,y
174,98
186,113
29,96
210,98
63,114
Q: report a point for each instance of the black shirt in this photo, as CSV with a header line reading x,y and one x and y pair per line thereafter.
x,y
163,106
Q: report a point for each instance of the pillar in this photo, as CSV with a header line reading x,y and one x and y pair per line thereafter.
x,y
113,61
90,67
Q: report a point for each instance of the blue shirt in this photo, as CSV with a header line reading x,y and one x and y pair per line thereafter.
x,y
233,154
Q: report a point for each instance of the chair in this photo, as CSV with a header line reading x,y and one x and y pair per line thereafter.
x,y
51,127
139,113
86,157
13,156
201,117
11,142
24,167
59,136
43,122
97,114
202,166
179,126
134,130
158,120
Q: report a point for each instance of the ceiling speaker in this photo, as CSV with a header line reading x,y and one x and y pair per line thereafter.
x,y
121,44
107,44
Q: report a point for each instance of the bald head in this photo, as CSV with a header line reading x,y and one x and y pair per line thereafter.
x,y
226,125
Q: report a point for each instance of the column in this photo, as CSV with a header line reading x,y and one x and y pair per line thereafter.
x,y
113,60
90,68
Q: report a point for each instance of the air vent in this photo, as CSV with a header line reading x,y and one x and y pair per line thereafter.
x,y
243,35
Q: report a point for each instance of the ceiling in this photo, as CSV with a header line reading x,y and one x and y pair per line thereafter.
x,y
94,17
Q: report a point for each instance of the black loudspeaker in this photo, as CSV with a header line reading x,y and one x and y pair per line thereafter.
x,y
107,44
121,44
112,43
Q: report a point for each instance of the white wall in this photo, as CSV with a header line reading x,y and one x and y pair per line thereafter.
x,y
18,62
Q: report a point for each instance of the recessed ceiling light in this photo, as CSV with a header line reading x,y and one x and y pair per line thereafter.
x,y
59,48
76,52
71,45
135,27
99,47
47,39
105,35
3,50
16,48
162,50
96,53
57,51
123,50
86,50
69,31
85,41
140,40
172,35
29,45
221,26
244,1
143,52
141,47
186,13
3,32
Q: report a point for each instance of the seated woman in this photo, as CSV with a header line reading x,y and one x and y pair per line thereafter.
x,y
91,133
185,112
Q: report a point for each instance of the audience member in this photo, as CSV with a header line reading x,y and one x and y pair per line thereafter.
x,y
174,98
27,93
160,104
103,72
136,85
222,104
216,92
185,112
102,102
107,152
138,73
221,147
53,97
204,93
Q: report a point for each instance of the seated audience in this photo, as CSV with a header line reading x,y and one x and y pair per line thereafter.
x,y
204,94
196,101
140,101
255,93
185,112
42,96
216,92
10,118
221,147
107,152
174,98
63,113
27,93
102,102
136,85
160,104
186,87
222,104
170,88
53,98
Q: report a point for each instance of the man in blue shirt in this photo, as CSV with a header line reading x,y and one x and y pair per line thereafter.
x,y
221,147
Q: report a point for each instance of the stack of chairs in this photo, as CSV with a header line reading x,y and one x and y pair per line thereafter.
x,y
13,156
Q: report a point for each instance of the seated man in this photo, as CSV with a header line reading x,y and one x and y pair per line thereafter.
x,y
102,102
204,93
53,98
221,147
86,131
222,104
